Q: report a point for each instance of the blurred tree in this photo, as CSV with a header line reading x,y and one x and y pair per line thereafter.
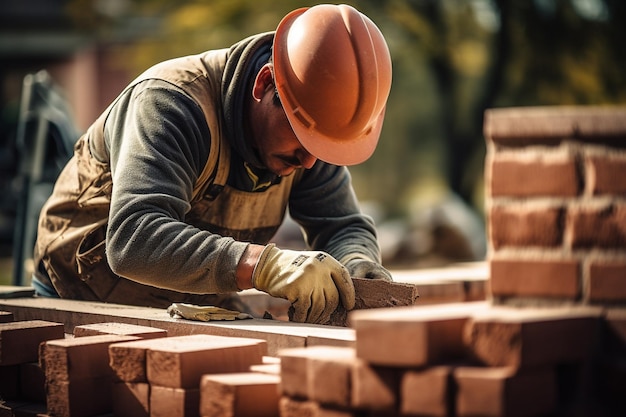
x,y
488,53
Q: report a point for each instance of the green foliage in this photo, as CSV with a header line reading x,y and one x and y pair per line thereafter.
x,y
452,60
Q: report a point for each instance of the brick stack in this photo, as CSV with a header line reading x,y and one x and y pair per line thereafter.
x,y
78,376
556,208
556,204
465,359
116,369
162,376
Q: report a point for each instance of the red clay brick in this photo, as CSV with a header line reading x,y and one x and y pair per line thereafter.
x,y
426,392
122,329
328,375
6,316
174,402
606,175
19,340
607,281
500,392
527,337
515,226
239,395
128,360
78,376
412,336
532,179
79,358
179,362
528,278
32,382
131,399
334,377
375,388
318,373
376,293
79,398
597,227
294,370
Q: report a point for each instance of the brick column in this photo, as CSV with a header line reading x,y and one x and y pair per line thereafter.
x,y
556,204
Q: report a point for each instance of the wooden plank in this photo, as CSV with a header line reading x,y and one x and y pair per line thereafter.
x,y
72,313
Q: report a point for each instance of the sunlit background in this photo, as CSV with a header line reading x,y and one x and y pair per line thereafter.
x,y
452,59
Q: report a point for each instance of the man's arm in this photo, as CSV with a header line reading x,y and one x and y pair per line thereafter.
x,y
159,142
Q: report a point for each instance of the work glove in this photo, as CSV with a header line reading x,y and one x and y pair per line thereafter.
x,y
204,313
312,281
362,268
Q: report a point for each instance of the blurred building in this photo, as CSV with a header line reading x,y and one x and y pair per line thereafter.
x,y
66,39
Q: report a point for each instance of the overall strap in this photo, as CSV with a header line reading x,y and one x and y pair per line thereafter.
x,y
215,173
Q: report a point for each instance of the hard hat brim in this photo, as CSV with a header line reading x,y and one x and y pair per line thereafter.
x,y
339,151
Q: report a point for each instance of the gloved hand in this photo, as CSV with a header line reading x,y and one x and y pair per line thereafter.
x,y
362,268
312,281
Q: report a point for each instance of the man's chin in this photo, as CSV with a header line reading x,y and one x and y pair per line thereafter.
x,y
285,172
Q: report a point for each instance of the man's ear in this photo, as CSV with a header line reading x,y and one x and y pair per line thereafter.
x,y
264,80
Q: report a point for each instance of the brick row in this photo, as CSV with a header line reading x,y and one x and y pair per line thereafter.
x,y
463,359
551,125
489,361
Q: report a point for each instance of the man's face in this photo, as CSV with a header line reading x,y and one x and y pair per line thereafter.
x,y
277,145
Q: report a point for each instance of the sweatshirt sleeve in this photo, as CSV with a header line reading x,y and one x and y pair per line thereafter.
x,y
324,203
158,143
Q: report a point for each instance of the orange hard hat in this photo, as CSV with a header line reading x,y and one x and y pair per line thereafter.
x,y
332,71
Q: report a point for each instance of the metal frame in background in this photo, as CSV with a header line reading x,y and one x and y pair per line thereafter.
x,y
45,138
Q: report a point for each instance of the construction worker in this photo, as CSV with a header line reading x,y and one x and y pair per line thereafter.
x,y
174,192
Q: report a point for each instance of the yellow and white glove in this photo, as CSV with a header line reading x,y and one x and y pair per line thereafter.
x,y
312,281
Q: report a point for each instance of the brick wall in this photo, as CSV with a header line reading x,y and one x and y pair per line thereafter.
x,y
556,204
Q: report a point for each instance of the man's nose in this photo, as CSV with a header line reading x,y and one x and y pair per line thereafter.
x,y
307,160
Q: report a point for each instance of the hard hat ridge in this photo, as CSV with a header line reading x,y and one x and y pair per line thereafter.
x,y
332,71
